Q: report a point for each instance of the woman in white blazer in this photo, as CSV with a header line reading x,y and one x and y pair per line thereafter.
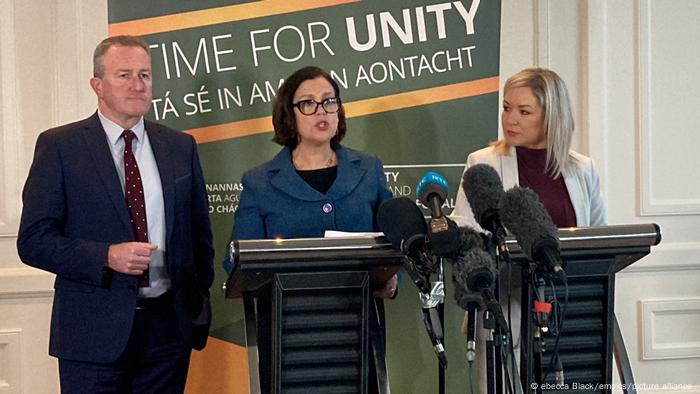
x,y
536,152
537,117
579,175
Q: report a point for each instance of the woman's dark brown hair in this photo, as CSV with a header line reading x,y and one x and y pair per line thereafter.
x,y
283,119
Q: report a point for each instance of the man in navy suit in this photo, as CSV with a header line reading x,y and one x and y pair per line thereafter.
x,y
127,310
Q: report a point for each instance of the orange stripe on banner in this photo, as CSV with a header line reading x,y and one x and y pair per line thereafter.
x,y
224,131
356,108
222,367
421,97
212,16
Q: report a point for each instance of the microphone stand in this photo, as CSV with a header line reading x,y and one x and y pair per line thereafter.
x,y
499,238
496,333
502,330
490,325
441,316
497,326
430,305
503,256
540,327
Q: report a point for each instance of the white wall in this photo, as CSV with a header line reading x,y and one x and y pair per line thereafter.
x,y
630,67
45,50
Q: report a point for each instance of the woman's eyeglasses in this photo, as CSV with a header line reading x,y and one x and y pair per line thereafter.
x,y
309,107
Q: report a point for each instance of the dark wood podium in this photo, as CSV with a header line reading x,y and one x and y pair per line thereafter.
x,y
321,305
590,335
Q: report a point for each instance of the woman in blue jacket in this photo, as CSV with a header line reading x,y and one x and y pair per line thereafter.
x,y
313,184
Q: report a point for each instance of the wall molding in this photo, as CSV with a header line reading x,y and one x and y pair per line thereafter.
x,y
70,74
596,114
25,282
667,257
10,361
649,203
10,139
652,312
541,33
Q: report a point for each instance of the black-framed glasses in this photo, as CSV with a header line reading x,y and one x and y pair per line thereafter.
x,y
309,107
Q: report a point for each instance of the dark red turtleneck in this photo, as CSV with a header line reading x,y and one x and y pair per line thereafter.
x,y
552,192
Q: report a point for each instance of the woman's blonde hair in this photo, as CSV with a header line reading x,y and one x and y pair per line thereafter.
x,y
558,121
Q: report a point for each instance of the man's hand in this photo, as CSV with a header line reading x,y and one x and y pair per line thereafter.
x,y
130,258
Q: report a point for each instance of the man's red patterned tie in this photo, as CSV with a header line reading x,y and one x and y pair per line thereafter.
x,y
133,191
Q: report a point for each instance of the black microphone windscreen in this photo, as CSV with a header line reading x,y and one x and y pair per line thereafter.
x,y
470,239
399,219
469,299
481,270
473,272
446,241
525,216
483,188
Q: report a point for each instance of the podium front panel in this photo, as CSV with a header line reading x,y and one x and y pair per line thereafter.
x,y
320,332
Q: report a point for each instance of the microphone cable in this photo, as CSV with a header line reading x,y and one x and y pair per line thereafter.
x,y
507,354
511,342
559,318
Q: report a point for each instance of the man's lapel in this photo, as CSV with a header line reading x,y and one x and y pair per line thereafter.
x,y
162,152
97,145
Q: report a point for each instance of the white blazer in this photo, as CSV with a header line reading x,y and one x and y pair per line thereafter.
x,y
580,177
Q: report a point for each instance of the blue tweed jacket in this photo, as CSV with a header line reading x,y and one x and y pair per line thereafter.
x,y
276,202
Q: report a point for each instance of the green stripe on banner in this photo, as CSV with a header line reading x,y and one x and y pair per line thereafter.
x,y
127,10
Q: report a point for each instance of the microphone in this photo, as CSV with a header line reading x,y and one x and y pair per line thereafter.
x,y
541,308
526,217
434,329
403,224
471,334
484,190
463,265
475,271
472,303
442,231
472,271
432,192
558,372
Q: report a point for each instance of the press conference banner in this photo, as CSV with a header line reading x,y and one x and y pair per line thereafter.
x,y
419,81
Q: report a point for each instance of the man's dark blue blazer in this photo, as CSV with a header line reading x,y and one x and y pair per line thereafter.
x,y
74,208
